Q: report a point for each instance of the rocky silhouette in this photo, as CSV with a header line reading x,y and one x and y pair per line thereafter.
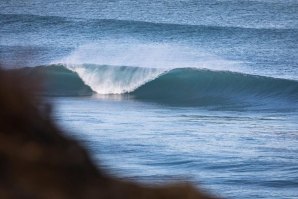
x,y
37,160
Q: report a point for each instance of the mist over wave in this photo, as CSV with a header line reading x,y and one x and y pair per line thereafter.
x,y
130,52
117,67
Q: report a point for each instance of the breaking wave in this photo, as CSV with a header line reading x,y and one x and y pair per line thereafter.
x,y
180,86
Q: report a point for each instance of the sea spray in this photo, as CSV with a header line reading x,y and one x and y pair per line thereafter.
x,y
130,52
115,79
117,67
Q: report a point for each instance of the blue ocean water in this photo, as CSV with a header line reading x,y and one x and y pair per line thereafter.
x,y
204,91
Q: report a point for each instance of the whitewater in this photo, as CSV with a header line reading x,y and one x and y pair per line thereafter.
x,y
161,91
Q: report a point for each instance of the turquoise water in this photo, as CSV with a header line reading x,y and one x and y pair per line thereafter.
x,y
205,91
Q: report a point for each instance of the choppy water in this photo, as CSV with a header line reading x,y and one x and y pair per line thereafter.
x,y
236,154
199,90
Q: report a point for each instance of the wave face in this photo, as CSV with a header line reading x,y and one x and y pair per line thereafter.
x,y
189,86
180,86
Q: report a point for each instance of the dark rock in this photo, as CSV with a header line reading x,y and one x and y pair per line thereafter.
x,y
38,161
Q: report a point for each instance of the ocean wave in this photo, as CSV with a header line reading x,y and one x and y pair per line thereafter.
x,y
179,86
7,19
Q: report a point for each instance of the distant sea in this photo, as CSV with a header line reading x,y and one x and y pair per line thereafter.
x,y
167,90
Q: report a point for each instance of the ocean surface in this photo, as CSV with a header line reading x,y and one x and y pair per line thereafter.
x,y
170,90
